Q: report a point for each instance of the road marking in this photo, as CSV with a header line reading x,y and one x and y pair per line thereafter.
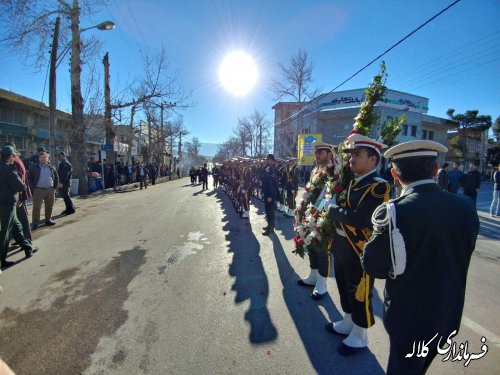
x,y
480,330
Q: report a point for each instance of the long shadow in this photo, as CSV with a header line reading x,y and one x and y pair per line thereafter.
x,y
250,278
489,228
310,322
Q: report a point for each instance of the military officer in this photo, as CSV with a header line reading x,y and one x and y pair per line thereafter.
x,y
352,219
292,186
425,267
270,193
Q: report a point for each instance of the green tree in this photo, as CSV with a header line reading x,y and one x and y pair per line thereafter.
x,y
471,123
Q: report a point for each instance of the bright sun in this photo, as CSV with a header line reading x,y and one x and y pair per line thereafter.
x,y
238,73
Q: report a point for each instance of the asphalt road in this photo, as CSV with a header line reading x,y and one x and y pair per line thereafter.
x,y
170,280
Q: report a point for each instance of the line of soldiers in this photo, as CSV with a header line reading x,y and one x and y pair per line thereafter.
x,y
421,243
242,178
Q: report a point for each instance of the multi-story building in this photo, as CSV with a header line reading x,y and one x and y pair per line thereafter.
x,y
285,138
333,117
25,122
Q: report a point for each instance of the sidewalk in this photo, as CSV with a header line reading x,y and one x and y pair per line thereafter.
x,y
59,202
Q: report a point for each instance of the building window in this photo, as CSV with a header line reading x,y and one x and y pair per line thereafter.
x,y
431,135
413,130
424,134
405,129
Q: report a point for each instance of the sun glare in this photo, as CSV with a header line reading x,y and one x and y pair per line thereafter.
x,y
238,73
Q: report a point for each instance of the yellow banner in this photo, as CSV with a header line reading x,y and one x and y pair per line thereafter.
x,y
305,149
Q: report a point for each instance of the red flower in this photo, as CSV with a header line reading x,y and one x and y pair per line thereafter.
x,y
320,174
336,176
330,170
347,167
318,229
337,189
306,189
298,241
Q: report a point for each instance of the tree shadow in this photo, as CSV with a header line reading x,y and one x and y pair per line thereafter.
x,y
310,323
250,278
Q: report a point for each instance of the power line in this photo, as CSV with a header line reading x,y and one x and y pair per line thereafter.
x,y
476,43
136,23
315,100
448,67
125,19
455,73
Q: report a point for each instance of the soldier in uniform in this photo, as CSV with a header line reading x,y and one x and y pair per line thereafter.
x,y
281,175
426,266
352,219
292,186
269,192
246,187
319,260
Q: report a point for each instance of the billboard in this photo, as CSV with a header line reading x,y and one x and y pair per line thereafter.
x,y
305,149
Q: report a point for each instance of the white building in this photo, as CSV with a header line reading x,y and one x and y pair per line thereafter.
x,y
333,117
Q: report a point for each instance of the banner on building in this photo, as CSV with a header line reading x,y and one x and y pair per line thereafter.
x,y
305,149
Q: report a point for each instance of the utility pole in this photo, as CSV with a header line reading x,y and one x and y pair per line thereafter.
x,y
162,135
108,123
181,133
52,92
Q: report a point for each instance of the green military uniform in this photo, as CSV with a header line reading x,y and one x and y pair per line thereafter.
x,y
10,186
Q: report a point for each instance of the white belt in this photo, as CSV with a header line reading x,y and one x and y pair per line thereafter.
x,y
340,232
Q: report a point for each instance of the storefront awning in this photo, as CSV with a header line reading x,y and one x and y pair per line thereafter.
x,y
13,130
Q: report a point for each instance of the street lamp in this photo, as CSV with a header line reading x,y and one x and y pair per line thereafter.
x,y
106,25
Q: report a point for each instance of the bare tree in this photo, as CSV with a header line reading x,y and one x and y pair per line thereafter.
x,y
229,149
254,134
261,129
294,85
244,134
28,26
296,79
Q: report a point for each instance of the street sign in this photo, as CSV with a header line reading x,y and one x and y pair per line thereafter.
x,y
107,147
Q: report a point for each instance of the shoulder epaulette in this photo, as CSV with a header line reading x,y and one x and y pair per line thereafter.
x,y
379,179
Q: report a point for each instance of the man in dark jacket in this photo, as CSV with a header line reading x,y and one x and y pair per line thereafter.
x,y
270,193
10,186
204,177
65,171
442,177
472,182
426,269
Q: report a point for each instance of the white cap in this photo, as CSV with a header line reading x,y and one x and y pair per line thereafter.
x,y
414,149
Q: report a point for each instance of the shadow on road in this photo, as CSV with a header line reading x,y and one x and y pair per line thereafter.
x,y
250,278
489,228
310,324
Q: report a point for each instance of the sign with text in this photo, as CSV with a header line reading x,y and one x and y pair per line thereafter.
x,y
107,147
305,148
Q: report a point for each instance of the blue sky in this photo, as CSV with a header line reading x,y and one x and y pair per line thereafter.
x,y
454,61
